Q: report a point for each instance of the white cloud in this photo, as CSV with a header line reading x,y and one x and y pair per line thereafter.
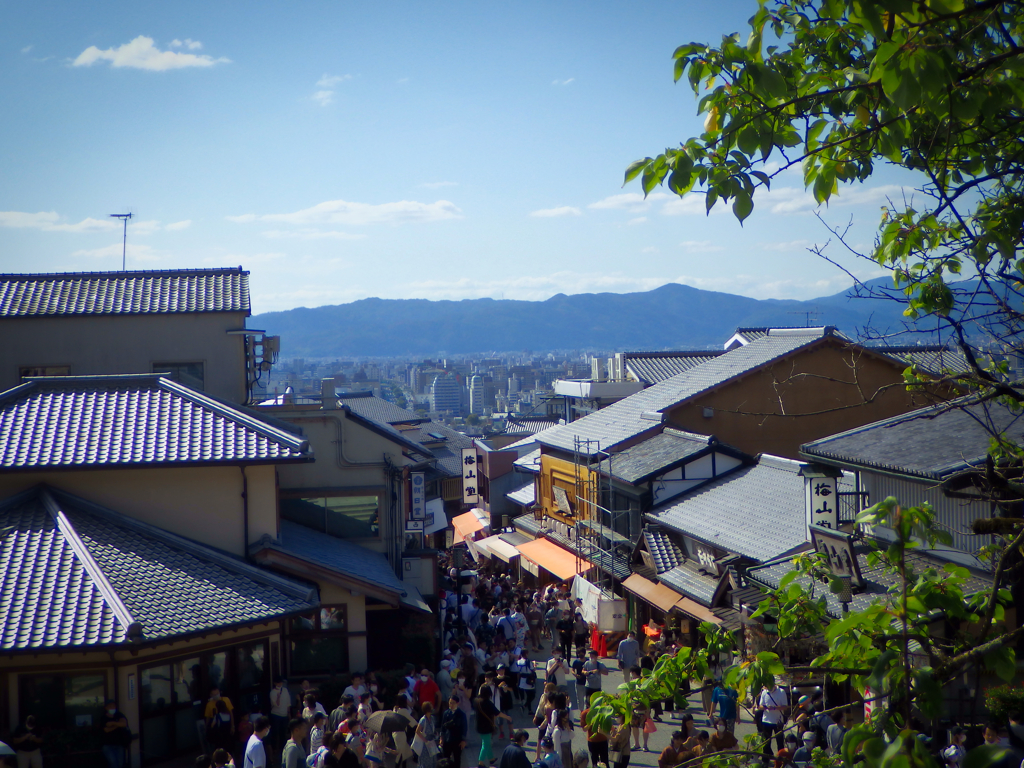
x,y
140,53
563,82
49,221
27,49
312,234
135,252
323,98
701,246
548,213
637,220
331,81
402,80
791,245
634,202
192,45
178,225
691,205
438,184
137,227
358,214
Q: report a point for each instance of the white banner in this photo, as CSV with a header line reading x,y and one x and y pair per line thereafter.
x,y
590,594
470,476
606,611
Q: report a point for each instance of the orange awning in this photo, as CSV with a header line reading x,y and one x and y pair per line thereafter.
x,y
465,526
658,595
697,611
551,557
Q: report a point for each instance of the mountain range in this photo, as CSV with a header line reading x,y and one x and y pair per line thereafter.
x,y
673,316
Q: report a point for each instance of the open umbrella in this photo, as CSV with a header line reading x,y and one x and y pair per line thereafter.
x,y
388,721
5,750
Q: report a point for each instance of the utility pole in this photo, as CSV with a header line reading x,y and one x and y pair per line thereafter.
x,y
124,245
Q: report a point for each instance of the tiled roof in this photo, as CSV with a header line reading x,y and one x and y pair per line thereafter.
x,y
931,442
351,560
524,496
515,426
625,419
664,552
125,293
369,406
131,420
528,463
445,445
652,367
877,581
514,538
527,524
75,574
658,453
687,580
755,511
933,358
386,430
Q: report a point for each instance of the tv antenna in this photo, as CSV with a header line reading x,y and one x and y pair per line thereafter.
x,y
808,314
124,245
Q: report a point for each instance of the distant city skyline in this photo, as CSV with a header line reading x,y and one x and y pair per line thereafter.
x,y
349,151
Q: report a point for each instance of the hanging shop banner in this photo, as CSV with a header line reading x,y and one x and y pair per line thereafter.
x,y
590,594
470,476
419,496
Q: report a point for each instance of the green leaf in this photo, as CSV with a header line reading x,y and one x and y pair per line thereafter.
x,y
1002,661
635,169
742,206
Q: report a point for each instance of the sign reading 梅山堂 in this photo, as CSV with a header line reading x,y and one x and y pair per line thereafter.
x,y
823,502
470,476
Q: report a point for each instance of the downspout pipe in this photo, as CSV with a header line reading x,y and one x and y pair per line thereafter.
x,y
245,513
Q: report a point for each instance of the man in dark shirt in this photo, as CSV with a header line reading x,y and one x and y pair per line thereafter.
x,y
514,756
27,741
116,736
564,627
453,732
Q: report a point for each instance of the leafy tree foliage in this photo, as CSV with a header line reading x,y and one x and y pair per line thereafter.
x,y
931,86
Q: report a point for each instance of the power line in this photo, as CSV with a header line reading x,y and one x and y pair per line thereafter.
x,y
124,245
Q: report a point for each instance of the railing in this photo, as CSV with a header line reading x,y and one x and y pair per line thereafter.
x,y
851,503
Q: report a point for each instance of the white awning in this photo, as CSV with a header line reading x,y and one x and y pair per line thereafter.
x,y
496,546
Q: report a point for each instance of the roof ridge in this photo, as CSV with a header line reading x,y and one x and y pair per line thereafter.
x,y
221,558
131,627
778,462
229,412
119,275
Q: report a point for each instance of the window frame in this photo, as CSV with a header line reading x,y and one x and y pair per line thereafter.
x,y
317,633
167,367
321,495
24,371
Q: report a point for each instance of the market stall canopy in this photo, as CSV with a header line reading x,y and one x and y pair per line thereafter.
x,y
658,595
498,547
697,611
551,557
466,525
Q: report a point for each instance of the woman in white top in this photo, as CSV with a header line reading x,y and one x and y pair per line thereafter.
x,y
562,736
773,704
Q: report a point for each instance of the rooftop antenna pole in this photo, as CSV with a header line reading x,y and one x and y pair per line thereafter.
x,y
124,245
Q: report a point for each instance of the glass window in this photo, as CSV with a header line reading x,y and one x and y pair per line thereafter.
x,y
332,618
215,670
189,374
43,696
251,659
187,681
347,517
352,517
44,370
83,699
155,689
319,642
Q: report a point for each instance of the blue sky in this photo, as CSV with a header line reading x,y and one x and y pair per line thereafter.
x,y
402,150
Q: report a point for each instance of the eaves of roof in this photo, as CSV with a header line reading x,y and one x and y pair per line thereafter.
x,y
386,430
132,420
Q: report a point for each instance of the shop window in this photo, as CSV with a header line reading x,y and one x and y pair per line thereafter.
x,y
346,517
63,701
189,374
319,641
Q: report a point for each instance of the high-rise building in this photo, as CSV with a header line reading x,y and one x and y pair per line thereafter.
x,y
446,395
476,395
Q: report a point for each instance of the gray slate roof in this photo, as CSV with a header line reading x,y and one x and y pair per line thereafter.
x,y
447,451
523,427
665,553
623,421
74,574
877,581
125,293
528,463
131,420
652,367
351,560
929,443
369,406
524,496
756,511
659,453
936,359
686,579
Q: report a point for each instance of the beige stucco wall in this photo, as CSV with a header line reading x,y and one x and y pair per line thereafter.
x,y
129,344
200,503
806,396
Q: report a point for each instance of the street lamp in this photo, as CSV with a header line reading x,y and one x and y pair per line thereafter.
x,y
845,595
